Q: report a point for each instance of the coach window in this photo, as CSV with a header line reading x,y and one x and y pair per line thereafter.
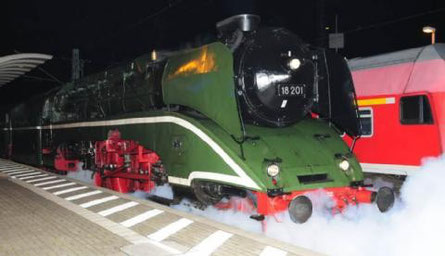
x,y
366,121
415,110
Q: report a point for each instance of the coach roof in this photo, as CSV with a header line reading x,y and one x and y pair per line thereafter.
x,y
429,52
409,71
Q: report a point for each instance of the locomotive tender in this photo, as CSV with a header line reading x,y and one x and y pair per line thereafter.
x,y
231,118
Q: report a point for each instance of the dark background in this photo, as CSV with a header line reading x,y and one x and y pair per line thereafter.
x,y
110,32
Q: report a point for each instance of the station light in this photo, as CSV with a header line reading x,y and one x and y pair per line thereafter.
x,y
154,55
432,31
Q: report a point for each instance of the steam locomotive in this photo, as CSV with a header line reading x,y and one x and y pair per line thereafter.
x,y
255,115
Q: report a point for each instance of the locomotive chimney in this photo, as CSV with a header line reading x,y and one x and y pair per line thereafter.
x,y
243,22
231,30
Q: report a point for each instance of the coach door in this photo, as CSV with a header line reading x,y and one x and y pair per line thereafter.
x,y
418,135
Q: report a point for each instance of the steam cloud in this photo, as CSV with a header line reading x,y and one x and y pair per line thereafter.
x,y
415,225
164,191
82,175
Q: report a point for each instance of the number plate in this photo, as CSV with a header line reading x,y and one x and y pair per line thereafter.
x,y
291,90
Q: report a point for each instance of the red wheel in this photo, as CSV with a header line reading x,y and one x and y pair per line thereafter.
x,y
120,185
97,180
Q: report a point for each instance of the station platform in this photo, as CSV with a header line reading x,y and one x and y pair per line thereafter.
x,y
42,213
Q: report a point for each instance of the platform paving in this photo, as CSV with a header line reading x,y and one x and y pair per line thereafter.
x,y
32,225
56,215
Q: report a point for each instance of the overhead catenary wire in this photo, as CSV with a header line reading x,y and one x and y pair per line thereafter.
x,y
143,20
94,42
384,23
157,13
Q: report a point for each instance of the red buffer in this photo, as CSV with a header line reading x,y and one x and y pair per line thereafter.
x,y
124,165
267,205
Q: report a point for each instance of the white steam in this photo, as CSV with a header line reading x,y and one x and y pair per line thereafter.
x,y
140,194
164,191
378,183
82,175
415,225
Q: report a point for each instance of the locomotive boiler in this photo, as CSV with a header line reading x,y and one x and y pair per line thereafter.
x,y
256,114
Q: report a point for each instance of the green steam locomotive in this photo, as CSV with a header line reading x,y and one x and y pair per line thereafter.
x,y
257,114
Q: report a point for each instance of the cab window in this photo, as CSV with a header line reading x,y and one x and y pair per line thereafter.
x,y
415,110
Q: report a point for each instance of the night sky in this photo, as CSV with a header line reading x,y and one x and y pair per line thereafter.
x,y
110,32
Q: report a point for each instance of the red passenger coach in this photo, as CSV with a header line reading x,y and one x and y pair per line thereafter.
x,y
401,98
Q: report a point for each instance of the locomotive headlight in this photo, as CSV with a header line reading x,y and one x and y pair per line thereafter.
x,y
344,165
262,81
294,64
273,170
